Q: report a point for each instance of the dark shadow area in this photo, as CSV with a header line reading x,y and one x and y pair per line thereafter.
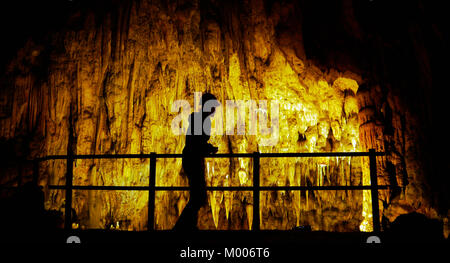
x,y
415,228
24,218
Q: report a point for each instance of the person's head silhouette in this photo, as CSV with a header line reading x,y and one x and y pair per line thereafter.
x,y
209,104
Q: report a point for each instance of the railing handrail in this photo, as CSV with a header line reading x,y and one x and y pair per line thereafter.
x,y
218,188
217,155
256,188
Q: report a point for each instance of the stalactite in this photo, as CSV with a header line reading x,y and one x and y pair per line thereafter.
x,y
249,211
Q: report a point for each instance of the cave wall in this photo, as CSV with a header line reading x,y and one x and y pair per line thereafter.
x,y
109,75
401,48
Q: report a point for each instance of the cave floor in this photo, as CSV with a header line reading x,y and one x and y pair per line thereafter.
x,y
218,238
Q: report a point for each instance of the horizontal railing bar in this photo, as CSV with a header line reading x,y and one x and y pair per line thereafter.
x,y
221,188
320,188
319,154
219,155
91,187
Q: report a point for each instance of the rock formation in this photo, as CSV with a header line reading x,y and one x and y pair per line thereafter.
x,y
110,75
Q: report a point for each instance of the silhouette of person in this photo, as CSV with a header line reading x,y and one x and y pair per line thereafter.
x,y
193,161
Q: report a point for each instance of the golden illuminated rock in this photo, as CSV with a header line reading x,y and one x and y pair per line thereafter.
x,y
116,78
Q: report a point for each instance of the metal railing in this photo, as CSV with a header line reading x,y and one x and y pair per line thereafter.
x,y
256,188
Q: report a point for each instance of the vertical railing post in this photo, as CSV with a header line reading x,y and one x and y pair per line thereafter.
x,y
374,191
151,192
69,185
256,219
